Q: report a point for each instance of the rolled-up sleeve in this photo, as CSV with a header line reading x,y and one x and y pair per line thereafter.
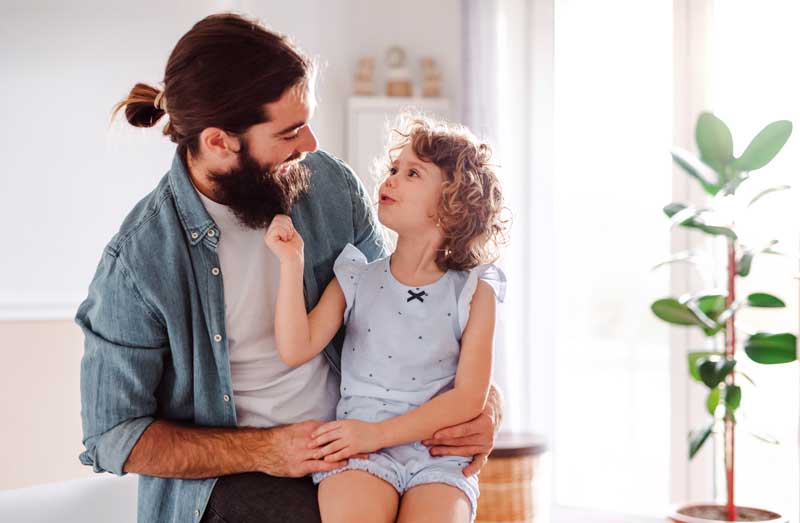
x,y
124,351
368,232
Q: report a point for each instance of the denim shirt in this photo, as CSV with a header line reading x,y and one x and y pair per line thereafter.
x,y
154,320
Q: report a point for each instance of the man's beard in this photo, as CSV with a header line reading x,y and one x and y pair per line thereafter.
x,y
257,193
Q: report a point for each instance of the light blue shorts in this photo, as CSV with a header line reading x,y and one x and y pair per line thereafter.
x,y
406,466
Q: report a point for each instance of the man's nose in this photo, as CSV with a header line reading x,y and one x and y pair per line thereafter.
x,y
309,143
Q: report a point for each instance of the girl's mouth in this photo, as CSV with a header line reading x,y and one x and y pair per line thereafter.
x,y
386,200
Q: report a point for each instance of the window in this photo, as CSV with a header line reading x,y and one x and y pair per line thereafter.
x,y
613,132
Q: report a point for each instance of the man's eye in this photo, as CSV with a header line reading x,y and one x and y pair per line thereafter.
x,y
291,137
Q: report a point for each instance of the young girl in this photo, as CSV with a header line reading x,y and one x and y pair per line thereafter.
x,y
417,355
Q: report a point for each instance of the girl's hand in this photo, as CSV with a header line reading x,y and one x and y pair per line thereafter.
x,y
284,240
339,440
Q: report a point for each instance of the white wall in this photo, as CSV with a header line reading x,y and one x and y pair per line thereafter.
x,y
68,179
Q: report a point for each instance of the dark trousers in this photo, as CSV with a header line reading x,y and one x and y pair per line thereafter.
x,y
256,497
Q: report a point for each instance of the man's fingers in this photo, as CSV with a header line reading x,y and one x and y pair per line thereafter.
x,y
475,439
315,465
477,464
459,431
467,451
342,454
329,449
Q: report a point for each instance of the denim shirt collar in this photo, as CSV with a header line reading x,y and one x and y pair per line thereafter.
x,y
193,215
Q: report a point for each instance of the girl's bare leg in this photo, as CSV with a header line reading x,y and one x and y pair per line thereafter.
x,y
437,502
354,496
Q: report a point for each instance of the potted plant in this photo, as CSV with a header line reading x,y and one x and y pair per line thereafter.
x,y
714,311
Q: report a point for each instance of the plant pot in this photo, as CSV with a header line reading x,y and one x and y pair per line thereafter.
x,y
716,513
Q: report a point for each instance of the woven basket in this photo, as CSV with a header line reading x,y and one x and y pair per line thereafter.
x,y
507,481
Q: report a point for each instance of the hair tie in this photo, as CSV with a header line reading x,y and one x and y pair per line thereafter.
x,y
160,102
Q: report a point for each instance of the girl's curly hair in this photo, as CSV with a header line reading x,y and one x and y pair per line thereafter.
x,y
472,203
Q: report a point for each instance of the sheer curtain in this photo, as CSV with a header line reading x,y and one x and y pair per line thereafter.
x,y
583,130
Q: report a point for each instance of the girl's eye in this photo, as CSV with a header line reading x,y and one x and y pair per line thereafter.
x,y
413,172
393,170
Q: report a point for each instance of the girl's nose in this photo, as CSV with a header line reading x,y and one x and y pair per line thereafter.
x,y
389,182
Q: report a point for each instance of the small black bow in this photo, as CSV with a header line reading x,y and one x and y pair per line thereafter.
x,y
416,296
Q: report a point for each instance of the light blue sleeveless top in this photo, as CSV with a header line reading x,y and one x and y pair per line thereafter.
x,y
402,343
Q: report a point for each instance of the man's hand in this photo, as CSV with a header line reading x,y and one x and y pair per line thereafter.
x,y
474,438
286,453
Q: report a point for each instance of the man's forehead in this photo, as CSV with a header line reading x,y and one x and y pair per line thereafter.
x,y
297,104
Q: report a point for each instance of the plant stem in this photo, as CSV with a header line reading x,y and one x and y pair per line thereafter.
x,y
730,349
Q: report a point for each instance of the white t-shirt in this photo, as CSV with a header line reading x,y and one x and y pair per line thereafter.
x,y
266,392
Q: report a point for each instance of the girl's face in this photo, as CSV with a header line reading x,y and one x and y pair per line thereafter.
x,y
408,201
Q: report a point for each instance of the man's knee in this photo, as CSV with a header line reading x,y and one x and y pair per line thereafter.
x,y
259,497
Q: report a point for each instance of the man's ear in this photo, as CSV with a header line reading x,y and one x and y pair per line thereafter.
x,y
218,144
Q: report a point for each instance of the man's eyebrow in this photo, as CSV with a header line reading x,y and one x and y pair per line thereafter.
x,y
291,128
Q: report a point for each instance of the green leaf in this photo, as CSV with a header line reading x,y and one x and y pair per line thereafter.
x,y
744,263
697,170
715,143
683,256
713,370
768,191
709,326
772,440
733,397
697,438
694,357
734,183
692,220
764,146
671,311
762,299
745,376
712,401
712,304
671,209
768,349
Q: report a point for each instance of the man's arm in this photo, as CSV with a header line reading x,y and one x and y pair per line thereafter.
x,y
124,352
474,438
172,450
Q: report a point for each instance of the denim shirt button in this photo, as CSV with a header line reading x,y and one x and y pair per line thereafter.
x,y
217,337
226,397
194,235
211,233
215,271
197,513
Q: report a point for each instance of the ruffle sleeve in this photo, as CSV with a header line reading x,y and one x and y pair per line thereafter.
x,y
491,274
348,268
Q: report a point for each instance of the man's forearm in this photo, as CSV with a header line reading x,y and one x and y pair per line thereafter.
x,y
170,450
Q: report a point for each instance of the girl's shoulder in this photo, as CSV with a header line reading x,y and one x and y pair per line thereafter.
x,y
467,283
467,280
352,257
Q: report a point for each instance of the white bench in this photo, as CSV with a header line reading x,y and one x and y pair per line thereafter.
x,y
97,499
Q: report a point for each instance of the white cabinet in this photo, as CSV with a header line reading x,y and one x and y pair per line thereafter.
x,y
368,124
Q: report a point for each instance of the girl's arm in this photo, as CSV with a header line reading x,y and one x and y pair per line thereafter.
x,y
473,376
300,336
